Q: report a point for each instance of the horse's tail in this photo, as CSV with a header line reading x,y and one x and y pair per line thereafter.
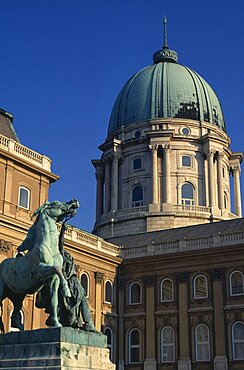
x,y
1,320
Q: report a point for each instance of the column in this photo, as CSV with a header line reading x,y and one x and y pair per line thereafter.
x,y
98,164
154,151
121,349
98,299
107,185
220,180
150,345
184,362
237,190
220,360
115,182
167,182
210,157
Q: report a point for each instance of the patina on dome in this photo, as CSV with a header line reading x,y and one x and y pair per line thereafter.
x,y
165,90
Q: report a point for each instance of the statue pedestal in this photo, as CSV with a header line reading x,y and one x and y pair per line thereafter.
x,y
54,349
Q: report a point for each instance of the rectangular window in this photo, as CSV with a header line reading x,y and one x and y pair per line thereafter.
x,y
136,164
186,161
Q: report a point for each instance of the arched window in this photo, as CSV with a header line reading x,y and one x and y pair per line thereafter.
x,y
135,293
110,342
134,346
187,192
108,292
202,343
225,201
186,161
238,340
200,287
236,283
167,344
137,196
24,197
85,283
167,293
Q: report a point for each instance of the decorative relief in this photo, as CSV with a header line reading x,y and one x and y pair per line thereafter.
x,y
149,280
217,274
99,276
5,246
182,277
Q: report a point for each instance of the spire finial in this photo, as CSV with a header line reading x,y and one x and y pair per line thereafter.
x,y
165,46
165,54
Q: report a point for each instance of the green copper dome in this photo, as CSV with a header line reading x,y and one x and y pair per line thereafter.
x,y
165,90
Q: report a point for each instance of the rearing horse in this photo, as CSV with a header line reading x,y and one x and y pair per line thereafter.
x,y
41,265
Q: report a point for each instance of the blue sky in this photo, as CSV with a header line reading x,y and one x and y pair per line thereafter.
x,y
63,62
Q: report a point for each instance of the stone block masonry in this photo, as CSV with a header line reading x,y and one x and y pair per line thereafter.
x,y
54,349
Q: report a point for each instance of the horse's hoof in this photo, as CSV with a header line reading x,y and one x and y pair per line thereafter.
x,y
56,325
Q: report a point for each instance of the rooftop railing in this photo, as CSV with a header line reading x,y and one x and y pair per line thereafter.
x,y
184,245
25,153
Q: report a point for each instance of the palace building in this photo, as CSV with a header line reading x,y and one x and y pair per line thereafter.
x,y
164,196
164,266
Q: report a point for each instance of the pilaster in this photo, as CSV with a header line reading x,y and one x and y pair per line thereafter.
x,y
99,276
220,359
150,360
184,362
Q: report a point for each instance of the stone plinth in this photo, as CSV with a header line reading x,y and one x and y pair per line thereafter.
x,y
55,348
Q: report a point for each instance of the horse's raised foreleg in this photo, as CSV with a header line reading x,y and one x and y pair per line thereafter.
x,y
46,271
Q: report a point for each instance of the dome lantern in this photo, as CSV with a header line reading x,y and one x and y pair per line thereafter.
x,y
165,54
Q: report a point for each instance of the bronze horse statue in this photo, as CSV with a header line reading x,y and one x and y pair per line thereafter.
x,y
41,265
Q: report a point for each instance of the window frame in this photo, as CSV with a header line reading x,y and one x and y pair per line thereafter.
x,y
203,343
172,290
172,344
130,287
233,342
28,197
110,346
191,161
134,346
133,161
141,201
194,286
190,200
88,283
230,284
111,285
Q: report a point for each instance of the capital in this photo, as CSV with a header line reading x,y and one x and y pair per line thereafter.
x,y
149,280
153,147
235,169
182,277
99,277
217,274
166,147
211,153
220,155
